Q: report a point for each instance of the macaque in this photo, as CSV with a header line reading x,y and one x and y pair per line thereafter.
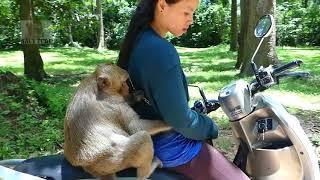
x,y
103,134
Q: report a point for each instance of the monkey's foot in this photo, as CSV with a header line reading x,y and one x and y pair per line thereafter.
x,y
156,162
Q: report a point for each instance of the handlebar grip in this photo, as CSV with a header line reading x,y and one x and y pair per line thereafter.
x,y
212,105
287,66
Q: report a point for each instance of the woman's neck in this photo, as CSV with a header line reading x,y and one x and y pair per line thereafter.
x,y
158,29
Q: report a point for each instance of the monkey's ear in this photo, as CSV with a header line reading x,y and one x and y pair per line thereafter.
x,y
103,82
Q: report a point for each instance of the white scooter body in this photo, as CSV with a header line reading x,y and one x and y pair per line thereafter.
x,y
273,144
278,148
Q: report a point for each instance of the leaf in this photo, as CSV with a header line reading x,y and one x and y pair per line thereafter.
x,y
6,112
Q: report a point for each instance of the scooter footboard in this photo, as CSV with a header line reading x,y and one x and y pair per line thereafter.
x,y
278,161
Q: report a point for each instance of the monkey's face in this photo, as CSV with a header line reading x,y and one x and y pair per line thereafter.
x,y
111,79
124,91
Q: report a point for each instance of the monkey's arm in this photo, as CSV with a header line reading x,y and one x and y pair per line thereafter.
x,y
151,126
134,124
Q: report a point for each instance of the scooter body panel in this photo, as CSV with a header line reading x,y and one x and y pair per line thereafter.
x,y
278,146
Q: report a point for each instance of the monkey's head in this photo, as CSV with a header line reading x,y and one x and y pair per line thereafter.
x,y
111,80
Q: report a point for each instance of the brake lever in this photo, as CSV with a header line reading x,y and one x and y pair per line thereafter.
x,y
283,68
294,74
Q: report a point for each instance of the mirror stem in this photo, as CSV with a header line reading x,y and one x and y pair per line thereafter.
x,y
255,52
201,93
253,65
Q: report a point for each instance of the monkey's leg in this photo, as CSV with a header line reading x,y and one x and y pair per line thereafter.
x,y
156,162
133,151
151,126
139,154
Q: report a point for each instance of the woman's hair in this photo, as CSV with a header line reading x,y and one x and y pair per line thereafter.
x,y
141,19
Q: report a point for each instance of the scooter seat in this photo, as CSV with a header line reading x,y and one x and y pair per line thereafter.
x,y
56,167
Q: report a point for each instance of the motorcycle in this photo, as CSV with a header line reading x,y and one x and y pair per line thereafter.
x,y
272,143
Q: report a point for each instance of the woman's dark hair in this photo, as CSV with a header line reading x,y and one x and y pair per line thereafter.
x,y
141,19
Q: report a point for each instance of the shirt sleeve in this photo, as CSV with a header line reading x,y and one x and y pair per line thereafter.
x,y
170,99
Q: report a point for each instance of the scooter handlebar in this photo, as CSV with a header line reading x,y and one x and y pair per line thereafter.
x,y
270,76
285,67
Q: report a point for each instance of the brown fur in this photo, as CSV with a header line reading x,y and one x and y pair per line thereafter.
x,y
102,132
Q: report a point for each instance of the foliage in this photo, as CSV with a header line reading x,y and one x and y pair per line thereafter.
x,y
297,25
211,26
79,15
25,127
9,24
117,15
53,97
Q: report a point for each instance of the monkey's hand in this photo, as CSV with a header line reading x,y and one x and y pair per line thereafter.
x,y
135,97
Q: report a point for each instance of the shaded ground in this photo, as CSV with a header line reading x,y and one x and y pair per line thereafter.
x,y
310,121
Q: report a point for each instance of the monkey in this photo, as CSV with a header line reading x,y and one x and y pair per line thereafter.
x,y
103,134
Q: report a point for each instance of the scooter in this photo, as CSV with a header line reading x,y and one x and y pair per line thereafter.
x,y
272,143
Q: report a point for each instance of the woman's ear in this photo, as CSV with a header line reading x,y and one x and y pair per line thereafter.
x,y
161,4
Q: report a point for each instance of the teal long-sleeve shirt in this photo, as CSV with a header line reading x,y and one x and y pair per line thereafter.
x,y
155,68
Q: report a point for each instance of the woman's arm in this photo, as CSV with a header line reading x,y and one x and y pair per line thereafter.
x,y
170,99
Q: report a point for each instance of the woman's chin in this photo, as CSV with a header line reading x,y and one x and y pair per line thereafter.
x,y
178,34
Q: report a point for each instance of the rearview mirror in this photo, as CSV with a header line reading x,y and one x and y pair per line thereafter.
x,y
262,30
264,26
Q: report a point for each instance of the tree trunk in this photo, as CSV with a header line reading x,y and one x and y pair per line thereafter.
x,y
234,27
33,64
70,34
100,30
251,11
243,32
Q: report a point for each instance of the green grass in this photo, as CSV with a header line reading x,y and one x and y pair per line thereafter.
x,y
59,60
210,68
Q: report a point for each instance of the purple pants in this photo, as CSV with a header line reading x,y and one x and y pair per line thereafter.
x,y
210,164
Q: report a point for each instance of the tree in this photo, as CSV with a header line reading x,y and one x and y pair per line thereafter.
x,y
251,11
68,20
234,26
33,64
100,30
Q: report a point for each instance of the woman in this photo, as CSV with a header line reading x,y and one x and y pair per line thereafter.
x,y
154,67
